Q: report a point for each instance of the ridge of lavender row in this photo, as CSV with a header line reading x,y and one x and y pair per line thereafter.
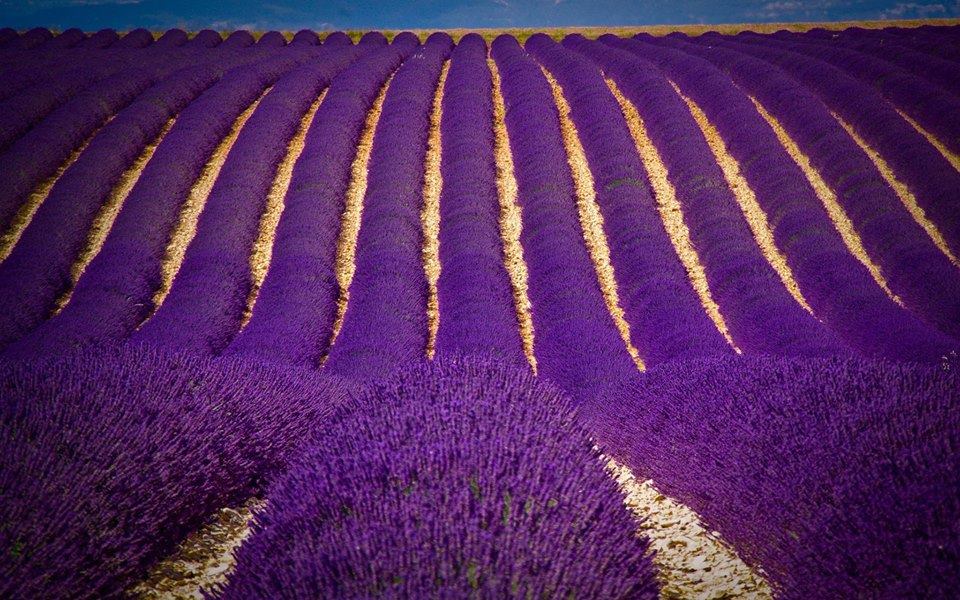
x,y
48,62
385,324
114,295
456,478
38,268
138,447
910,155
29,105
37,154
836,477
666,320
934,104
475,297
44,39
931,288
577,345
927,42
941,72
205,305
838,287
296,306
763,317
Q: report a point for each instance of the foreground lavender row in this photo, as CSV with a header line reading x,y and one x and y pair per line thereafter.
x,y
398,290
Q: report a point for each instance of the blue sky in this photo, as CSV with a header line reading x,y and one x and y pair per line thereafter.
x,y
427,14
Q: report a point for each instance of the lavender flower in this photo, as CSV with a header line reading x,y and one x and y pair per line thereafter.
x,y
110,458
838,477
460,478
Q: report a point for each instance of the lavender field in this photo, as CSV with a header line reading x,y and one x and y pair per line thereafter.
x,y
292,317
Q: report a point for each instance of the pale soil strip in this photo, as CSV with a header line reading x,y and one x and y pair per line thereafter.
x,y
952,158
829,199
186,226
692,561
25,213
263,246
430,216
511,218
353,211
591,220
903,192
204,560
107,214
671,212
747,199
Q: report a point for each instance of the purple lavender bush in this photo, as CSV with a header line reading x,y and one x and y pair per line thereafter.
x,y
915,162
476,302
385,324
296,307
930,103
838,477
462,478
115,294
37,270
666,318
576,343
838,287
205,306
110,458
761,315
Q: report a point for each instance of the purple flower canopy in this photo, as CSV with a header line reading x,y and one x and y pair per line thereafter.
x,y
462,477
839,477
826,454
137,448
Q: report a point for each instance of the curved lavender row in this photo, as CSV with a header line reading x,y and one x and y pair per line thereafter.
x,y
293,318
239,39
930,287
405,497
205,38
385,324
474,294
577,345
204,308
306,37
666,318
939,71
838,287
43,149
30,39
99,40
928,42
7,35
909,154
173,38
137,449
762,316
27,107
136,38
272,39
114,295
933,106
38,153
838,477
38,268
404,38
337,38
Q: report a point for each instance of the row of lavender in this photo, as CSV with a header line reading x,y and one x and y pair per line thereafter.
x,y
576,342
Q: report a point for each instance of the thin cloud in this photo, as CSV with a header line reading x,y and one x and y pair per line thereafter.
x,y
913,10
